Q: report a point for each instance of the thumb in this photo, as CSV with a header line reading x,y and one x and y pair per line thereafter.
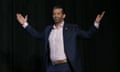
x,y
26,17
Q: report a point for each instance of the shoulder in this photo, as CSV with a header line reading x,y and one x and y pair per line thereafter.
x,y
48,27
71,25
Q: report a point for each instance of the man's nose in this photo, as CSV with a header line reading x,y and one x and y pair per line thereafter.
x,y
56,16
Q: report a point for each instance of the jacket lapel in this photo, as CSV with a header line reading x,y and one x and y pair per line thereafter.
x,y
65,35
50,27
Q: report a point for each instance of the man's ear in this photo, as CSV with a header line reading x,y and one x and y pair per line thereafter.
x,y
64,15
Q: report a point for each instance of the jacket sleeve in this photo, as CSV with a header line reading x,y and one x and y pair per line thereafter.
x,y
34,33
86,34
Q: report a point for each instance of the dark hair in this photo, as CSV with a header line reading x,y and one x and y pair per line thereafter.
x,y
59,7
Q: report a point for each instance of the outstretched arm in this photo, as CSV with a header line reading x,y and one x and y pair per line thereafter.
x,y
23,21
93,29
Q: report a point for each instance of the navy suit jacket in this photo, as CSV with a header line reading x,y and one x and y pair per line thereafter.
x,y
70,33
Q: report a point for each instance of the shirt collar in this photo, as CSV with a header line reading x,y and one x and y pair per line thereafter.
x,y
61,25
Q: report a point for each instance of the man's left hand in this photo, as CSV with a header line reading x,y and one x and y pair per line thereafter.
x,y
99,17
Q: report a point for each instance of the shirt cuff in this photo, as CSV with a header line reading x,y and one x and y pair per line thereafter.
x,y
96,25
25,25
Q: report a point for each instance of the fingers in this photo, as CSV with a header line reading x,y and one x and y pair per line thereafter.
x,y
26,17
98,15
21,19
19,16
102,14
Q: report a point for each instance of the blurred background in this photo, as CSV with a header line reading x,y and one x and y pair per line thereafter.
x,y
21,53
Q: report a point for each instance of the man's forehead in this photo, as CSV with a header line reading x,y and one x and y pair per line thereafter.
x,y
57,9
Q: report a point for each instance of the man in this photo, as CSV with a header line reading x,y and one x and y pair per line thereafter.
x,y
61,54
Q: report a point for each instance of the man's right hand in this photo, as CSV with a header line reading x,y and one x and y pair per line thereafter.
x,y
22,20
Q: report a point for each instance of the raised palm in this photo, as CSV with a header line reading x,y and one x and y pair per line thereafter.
x,y
21,19
99,17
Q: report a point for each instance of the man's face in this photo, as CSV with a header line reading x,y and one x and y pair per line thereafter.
x,y
58,15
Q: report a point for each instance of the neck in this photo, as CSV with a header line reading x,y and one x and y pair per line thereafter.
x,y
58,24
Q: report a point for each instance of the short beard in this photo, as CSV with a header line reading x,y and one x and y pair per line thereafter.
x,y
58,22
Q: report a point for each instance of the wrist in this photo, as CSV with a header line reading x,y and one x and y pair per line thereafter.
x,y
96,24
25,24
